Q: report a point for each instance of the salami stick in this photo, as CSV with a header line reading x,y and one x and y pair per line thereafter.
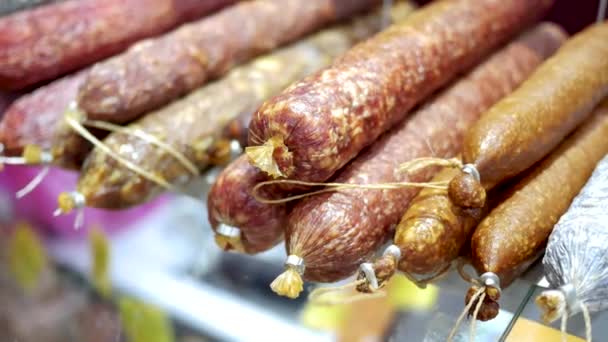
x,y
317,125
242,223
34,122
507,241
51,40
330,235
154,72
524,127
201,118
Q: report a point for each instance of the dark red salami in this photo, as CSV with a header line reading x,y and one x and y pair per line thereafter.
x,y
156,71
36,119
239,221
49,41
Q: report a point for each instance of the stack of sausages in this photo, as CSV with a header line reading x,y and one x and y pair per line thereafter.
x,y
467,126
320,130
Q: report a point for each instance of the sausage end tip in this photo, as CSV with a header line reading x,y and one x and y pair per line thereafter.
x,y
288,284
269,156
466,192
552,305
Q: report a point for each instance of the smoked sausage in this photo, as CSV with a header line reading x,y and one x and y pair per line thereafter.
x,y
514,234
36,119
525,126
48,41
329,235
194,126
156,71
241,222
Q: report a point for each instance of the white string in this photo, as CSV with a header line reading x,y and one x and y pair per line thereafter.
x,y
76,126
33,183
464,313
564,325
12,160
79,220
475,314
587,318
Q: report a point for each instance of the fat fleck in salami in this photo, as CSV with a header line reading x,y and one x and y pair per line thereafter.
x,y
242,223
317,125
516,231
331,234
51,40
36,119
154,72
524,127
194,126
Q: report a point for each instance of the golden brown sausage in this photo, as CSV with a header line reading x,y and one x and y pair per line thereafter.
x,y
525,126
514,234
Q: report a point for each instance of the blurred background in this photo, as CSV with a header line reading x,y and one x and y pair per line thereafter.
x,y
154,273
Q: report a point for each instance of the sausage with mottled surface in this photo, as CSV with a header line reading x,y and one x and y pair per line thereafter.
x,y
37,119
260,226
154,72
195,125
49,41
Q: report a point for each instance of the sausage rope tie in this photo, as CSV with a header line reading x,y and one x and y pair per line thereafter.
x,y
138,133
290,283
69,201
370,276
32,155
228,237
562,303
33,184
368,269
330,187
488,280
480,293
72,119
74,112
316,296
418,164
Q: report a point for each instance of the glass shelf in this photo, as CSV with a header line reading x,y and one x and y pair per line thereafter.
x,y
170,260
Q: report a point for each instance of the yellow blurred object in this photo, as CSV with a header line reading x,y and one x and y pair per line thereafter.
x,y
100,261
143,322
405,295
325,317
27,257
525,330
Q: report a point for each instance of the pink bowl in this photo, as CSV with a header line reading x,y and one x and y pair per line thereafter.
x,y
39,205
